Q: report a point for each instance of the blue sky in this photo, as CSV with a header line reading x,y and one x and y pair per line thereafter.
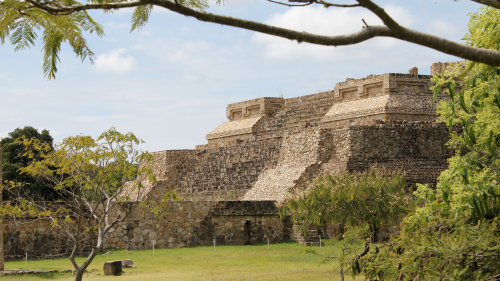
x,y
170,82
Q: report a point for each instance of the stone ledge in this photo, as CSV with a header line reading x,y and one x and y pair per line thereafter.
x,y
233,128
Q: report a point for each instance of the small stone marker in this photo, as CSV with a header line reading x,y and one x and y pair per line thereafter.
x,y
112,268
127,264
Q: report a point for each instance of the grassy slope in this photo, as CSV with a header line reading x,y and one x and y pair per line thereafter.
x,y
285,261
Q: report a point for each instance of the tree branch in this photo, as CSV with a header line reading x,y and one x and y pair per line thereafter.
x,y
380,12
291,5
324,3
491,3
392,28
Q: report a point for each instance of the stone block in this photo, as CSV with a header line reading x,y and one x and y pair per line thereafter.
x,y
112,268
127,264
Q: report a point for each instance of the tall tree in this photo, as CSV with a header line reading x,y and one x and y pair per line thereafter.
x,y
90,174
64,21
35,187
454,234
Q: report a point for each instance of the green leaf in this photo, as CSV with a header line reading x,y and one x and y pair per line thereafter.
x,y
462,101
436,92
465,175
140,16
490,144
24,34
451,90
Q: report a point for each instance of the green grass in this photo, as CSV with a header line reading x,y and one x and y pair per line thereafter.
x,y
284,261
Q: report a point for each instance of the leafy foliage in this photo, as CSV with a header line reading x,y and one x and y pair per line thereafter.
x,y
95,178
34,187
20,23
361,201
141,13
347,250
140,16
455,233
353,199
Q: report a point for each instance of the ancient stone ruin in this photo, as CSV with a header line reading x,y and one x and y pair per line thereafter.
x,y
270,147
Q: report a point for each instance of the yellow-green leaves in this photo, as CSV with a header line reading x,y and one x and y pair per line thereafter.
x,y
354,199
21,23
140,16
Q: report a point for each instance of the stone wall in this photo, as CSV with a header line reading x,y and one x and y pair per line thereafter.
x,y
34,237
377,98
229,170
195,223
247,222
183,223
417,149
215,173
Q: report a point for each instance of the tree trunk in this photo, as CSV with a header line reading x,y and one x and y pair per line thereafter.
x,y
374,232
81,269
79,274
341,274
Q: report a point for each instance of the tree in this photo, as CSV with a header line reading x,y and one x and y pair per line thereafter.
x,y
361,201
353,199
90,174
65,20
454,233
35,187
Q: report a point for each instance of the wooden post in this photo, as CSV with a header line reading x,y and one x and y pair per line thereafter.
x,y
2,260
153,242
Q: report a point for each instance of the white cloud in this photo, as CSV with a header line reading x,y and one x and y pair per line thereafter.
x,y
115,61
198,55
323,21
445,29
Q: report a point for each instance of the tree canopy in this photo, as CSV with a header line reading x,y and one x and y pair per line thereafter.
x,y
90,175
66,21
353,199
35,187
360,201
453,234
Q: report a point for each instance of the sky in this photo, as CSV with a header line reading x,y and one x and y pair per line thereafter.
x,y
170,82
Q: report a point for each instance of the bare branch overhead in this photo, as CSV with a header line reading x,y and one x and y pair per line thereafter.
x,y
390,28
491,3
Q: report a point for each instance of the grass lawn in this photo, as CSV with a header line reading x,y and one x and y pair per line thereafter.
x,y
284,261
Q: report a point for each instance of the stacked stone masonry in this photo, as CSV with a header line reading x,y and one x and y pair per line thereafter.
x,y
271,147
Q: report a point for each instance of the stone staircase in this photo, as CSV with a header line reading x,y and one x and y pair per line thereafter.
x,y
298,152
311,238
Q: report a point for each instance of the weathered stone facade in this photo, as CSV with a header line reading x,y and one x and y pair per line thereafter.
x,y
185,223
272,146
35,238
194,223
